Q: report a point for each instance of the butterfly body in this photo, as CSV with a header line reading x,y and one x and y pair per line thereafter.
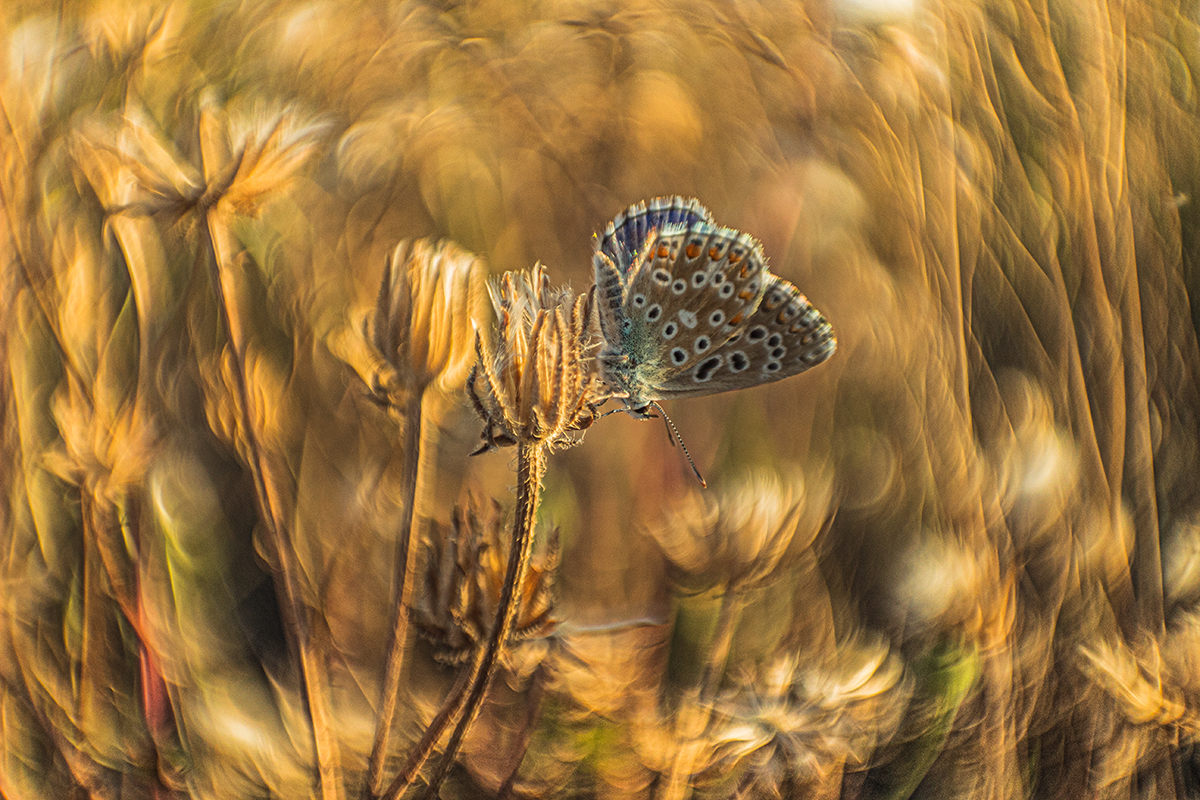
x,y
689,308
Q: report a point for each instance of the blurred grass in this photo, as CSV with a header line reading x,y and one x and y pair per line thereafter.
x,y
993,202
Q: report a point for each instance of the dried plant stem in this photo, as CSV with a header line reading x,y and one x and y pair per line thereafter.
x,y
307,639
417,435
467,695
693,717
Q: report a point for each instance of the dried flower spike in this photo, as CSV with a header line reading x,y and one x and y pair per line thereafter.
x,y
535,383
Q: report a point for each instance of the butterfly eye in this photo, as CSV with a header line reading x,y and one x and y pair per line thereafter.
x,y
772,366
717,279
716,318
662,277
727,290
699,279
679,355
702,344
679,286
775,340
779,352
639,300
738,361
654,312
670,329
757,334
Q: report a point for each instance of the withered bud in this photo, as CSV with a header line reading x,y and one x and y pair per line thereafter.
x,y
429,298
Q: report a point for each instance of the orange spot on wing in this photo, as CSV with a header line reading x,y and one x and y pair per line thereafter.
x,y
663,251
735,319
736,257
746,295
713,252
693,250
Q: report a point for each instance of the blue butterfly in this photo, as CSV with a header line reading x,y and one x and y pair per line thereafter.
x,y
689,308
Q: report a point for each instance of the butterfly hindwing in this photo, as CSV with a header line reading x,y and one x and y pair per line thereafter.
x,y
784,336
626,235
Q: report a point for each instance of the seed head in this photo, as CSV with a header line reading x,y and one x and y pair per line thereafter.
x,y
535,383
790,733
465,566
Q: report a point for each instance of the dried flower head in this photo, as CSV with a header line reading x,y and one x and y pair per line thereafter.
x,y
464,573
739,539
535,383
429,299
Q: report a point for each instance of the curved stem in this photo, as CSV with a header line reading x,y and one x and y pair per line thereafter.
x,y
531,466
465,699
414,436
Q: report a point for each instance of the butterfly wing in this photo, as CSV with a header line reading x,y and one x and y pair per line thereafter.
x,y
784,336
691,290
625,237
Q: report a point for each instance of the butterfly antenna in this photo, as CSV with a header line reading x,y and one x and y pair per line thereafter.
x,y
671,429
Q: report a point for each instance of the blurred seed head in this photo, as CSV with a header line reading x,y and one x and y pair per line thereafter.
x,y
740,538
535,382
419,334
465,567
797,727
941,583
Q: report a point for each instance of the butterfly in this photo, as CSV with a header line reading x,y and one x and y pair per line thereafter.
x,y
689,308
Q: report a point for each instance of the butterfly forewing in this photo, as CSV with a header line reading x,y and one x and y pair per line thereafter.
x,y
693,289
626,235
784,336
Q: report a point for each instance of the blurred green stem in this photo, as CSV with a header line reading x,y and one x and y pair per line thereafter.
x,y
417,435
467,695
693,717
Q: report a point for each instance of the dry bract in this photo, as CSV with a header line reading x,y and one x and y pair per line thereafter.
x,y
464,574
535,383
